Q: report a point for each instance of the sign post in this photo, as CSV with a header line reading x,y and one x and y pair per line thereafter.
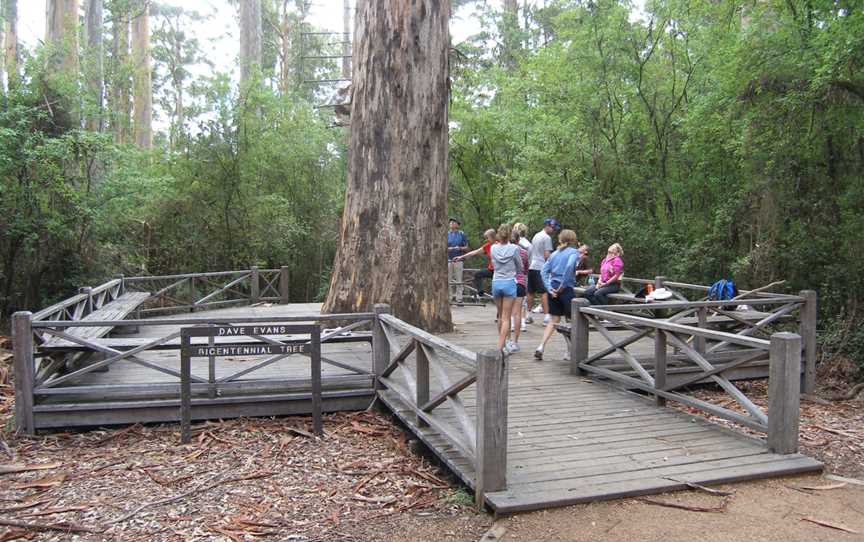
x,y
271,347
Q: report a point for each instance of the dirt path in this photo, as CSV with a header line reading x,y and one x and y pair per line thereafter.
x,y
769,511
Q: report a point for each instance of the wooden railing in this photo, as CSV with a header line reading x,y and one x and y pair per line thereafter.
x,y
428,374
702,347
36,379
84,302
203,291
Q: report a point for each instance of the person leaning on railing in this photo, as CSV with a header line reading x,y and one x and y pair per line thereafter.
x,y
611,269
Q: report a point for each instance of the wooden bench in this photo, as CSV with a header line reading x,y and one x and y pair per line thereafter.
x,y
116,310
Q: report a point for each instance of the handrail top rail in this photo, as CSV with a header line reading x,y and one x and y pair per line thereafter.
x,y
196,321
698,304
143,278
430,340
732,338
74,300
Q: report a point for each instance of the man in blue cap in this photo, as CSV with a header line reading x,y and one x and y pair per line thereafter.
x,y
457,244
541,249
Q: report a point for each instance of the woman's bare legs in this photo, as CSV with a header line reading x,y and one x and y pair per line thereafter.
x,y
516,316
504,322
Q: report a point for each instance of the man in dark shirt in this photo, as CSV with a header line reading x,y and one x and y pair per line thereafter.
x,y
457,244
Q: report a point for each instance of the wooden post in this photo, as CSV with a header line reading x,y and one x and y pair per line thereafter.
x,y
807,330
211,370
491,459
317,422
702,314
122,289
254,285
659,365
191,294
380,344
578,335
784,393
185,391
422,381
88,306
22,345
284,277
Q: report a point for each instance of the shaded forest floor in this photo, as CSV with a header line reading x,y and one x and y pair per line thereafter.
x,y
268,479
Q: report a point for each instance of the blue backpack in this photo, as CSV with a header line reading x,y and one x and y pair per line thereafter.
x,y
722,290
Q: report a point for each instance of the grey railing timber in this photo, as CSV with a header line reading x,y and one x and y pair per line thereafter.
x,y
38,376
701,346
482,439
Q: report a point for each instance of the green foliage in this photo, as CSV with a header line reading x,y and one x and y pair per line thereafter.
x,y
711,139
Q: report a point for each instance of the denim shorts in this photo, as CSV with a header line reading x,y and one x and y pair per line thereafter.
x,y
504,288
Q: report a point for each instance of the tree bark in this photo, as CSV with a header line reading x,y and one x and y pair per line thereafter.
x,y
95,73
121,95
10,45
392,245
61,32
250,40
142,106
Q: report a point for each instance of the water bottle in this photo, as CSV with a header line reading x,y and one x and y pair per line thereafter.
x,y
590,280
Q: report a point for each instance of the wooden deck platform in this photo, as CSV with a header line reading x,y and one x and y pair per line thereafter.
x,y
572,439
129,392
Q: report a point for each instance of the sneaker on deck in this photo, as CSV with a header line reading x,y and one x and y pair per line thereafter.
x,y
524,326
528,320
538,309
513,347
538,355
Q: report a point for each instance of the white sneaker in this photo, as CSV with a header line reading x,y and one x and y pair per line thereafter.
x,y
524,326
538,309
546,319
528,320
513,347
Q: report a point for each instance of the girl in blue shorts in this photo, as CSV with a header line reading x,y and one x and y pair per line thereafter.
x,y
506,262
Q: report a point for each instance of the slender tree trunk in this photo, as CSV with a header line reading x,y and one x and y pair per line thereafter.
x,y
179,109
250,40
10,45
142,106
121,95
285,37
392,241
95,73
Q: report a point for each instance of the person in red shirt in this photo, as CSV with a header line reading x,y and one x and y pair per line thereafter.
x,y
486,273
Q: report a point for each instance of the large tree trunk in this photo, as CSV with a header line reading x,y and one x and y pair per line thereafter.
x,y
121,95
10,45
250,40
392,242
95,73
142,106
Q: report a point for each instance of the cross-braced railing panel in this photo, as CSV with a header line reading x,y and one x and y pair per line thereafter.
x,y
700,353
423,364
57,379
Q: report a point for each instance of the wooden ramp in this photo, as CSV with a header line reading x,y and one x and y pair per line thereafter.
x,y
572,440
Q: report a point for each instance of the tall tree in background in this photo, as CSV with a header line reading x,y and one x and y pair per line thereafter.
x,y
93,21
61,35
250,40
391,247
119,71
174,51
142,106
10,44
